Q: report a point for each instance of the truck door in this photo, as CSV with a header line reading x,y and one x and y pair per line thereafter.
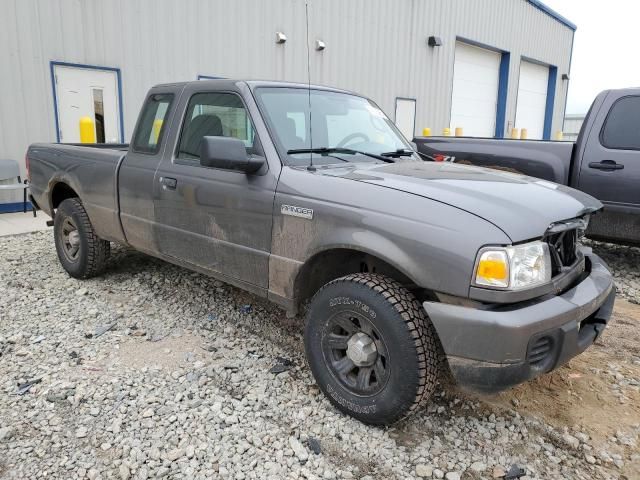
x,y
215,219
610,167
136,174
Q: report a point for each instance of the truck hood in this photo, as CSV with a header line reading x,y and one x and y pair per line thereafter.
x,y
522,207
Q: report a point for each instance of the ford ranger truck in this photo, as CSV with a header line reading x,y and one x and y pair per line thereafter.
x,y
307,195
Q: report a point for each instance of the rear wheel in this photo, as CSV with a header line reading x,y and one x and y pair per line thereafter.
x,y
371,348
80,251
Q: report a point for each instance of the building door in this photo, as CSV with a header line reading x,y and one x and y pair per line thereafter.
x,y
406,117
87,92
532,99
474,99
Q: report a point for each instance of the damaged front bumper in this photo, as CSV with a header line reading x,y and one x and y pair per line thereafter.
x,y
491,349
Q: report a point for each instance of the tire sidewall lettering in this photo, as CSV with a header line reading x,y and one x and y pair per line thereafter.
x,y
358,304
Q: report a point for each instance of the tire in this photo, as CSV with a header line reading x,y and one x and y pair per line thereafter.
x,y
80,251
389,380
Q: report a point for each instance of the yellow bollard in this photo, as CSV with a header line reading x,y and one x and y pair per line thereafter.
x,y
426,132
514,133
157,126
523,134
559,136
87,130
459,132
446,131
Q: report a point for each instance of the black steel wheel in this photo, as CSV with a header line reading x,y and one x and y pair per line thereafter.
x,y
356,353
371,348
80,251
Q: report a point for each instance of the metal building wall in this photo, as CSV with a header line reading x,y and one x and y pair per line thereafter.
x,y
376,47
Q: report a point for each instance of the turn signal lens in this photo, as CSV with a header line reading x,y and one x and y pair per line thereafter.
x,y
493,269
514,267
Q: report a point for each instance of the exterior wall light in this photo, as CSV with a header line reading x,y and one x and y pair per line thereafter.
x,y
280,37
434,41
320,45
565,76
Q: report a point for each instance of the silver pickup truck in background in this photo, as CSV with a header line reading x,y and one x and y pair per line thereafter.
x,y
310,194
604,162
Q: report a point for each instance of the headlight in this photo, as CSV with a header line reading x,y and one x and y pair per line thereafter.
x,y
514,267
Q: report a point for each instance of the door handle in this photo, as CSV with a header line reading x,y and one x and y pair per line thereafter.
x,y
168,183
606,165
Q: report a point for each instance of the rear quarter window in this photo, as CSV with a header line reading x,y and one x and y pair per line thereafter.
x,y
152,123
621,130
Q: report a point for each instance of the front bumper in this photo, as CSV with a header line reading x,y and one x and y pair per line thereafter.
x,y
491,349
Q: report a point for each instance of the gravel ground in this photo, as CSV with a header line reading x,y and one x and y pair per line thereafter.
x,y
153,371
625,264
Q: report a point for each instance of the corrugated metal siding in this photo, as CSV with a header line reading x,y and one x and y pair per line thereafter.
x,y
376,47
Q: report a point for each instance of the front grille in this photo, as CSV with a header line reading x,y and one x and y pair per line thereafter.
x,y
539,350
562,246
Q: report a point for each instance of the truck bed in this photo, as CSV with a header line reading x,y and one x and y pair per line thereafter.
x,y
82,167
542,159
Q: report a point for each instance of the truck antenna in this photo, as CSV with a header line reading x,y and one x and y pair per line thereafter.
x,y
306,11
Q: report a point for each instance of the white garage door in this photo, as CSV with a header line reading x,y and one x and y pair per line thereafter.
x,y
532,98
475,90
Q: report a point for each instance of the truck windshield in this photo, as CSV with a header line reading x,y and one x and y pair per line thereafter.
x,y
337,127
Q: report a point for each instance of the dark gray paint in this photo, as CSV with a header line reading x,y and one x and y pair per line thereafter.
x,y
568,164
501,336
426,220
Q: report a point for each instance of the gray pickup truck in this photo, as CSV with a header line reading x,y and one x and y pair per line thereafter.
x,y
604,162
310,195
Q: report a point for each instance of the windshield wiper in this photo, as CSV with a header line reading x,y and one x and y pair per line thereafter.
x,y
403,152
348,151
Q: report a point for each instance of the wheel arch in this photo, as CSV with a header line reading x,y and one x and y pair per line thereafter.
x,y
61,190
337,261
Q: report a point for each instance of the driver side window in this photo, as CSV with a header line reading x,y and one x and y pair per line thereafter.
x,y
214,115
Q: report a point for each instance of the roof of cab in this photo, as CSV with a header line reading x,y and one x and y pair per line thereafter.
x,y
253,84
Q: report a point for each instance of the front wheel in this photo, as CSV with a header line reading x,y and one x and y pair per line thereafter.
x,y
371,348
80,251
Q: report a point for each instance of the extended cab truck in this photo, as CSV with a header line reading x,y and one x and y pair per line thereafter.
x,y
401,260
604,162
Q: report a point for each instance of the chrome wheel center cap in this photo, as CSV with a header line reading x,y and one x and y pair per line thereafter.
x,y
361,349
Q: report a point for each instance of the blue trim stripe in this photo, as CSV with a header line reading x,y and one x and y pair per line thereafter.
x,y
551,95
503,84
552,13
52,66
14,207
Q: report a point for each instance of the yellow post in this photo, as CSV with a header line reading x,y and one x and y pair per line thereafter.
x,y
446,131
87,130
426,132
157,126
514,133
559,135
459,132
523,134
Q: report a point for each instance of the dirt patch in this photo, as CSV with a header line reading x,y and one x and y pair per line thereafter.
x,y
597,392
169,353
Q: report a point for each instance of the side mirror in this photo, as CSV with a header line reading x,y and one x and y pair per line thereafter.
x,y
228,153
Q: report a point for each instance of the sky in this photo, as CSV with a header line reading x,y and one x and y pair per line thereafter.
x,y
606,47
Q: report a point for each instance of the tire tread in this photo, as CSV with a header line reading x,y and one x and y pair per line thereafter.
x,y
418,324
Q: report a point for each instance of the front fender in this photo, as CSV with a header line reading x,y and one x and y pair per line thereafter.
x,y
432,243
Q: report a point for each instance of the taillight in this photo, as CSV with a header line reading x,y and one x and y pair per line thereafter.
x,y
26,162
